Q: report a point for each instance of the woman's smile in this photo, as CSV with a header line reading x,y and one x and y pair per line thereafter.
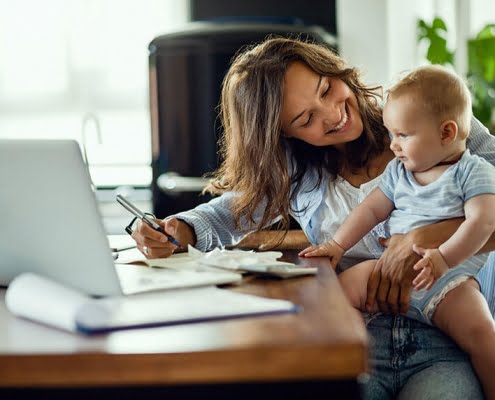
x,y
344,123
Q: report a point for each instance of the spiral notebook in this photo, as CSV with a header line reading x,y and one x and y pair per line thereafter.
x,y
42,300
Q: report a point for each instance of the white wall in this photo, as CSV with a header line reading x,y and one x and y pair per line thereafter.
x,y
379,36
482,12
362,37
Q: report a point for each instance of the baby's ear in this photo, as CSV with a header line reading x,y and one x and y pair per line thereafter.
x,y
448,131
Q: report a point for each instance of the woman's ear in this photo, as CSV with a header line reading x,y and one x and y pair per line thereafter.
x,y
448,131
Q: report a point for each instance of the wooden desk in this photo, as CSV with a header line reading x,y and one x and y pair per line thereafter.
x,y
325,343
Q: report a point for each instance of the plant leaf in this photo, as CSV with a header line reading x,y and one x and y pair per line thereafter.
x,y
437,52
481,57
487,32
439,23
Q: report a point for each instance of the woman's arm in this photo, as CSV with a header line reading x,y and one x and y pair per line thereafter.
x,y
272,240
207,226
481,142
489,245
467,240
390,283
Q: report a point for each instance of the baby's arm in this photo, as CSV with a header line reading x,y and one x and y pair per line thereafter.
x,y
469,238
375,208
330,249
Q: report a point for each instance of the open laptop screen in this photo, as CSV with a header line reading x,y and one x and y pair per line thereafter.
x,y
50,223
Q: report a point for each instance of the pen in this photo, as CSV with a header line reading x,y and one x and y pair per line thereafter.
x,y
143,217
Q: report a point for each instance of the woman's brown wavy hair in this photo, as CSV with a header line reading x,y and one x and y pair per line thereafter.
x,y
253,148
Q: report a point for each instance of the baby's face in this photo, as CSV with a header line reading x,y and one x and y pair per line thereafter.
x,y
414,133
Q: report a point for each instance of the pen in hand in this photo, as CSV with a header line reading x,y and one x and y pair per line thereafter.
x,y
145,218
158,228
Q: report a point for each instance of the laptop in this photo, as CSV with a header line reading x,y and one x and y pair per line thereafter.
x,y
50,223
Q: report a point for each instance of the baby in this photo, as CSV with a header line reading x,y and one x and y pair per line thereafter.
x,y
432,178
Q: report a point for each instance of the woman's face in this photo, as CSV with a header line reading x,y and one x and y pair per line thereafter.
x,y
319,110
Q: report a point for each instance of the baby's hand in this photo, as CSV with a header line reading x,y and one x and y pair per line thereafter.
x,y
329,249
432,266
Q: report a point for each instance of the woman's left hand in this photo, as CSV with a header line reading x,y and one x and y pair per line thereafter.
x,y
390,283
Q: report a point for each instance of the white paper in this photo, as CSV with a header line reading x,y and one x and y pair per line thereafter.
x,y
176,306
235,260
120,242
131,256
39,299
34,297
136,279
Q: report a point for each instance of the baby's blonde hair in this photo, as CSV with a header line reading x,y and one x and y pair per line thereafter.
x,y
441,92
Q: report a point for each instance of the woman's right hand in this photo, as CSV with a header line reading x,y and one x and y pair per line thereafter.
x,y
154,244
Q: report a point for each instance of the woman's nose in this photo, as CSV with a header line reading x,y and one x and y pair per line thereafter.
x,y
332,117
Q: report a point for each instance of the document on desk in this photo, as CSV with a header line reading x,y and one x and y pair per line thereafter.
x,y
261,263
121,242
39,299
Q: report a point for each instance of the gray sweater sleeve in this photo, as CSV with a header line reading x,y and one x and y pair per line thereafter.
x,y
213,223
481,142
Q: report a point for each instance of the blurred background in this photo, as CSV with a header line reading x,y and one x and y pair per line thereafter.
x,y
136,82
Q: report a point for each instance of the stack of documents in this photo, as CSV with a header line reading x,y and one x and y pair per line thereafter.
x,y
190,294
262,263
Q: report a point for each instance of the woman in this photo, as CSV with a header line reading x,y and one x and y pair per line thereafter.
x,y
304,137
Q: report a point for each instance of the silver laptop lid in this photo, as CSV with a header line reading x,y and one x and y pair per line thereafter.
x,y
50,223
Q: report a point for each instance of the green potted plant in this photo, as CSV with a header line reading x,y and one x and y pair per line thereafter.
x,y
481,64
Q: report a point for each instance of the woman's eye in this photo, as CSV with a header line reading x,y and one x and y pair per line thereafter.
x,y
326,90
308,122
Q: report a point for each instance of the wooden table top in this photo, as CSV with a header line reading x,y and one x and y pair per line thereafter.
x,y
327,340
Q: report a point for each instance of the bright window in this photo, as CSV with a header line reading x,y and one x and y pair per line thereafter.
x,y
64,62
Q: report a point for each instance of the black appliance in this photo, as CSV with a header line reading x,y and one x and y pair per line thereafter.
x,y
186,71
